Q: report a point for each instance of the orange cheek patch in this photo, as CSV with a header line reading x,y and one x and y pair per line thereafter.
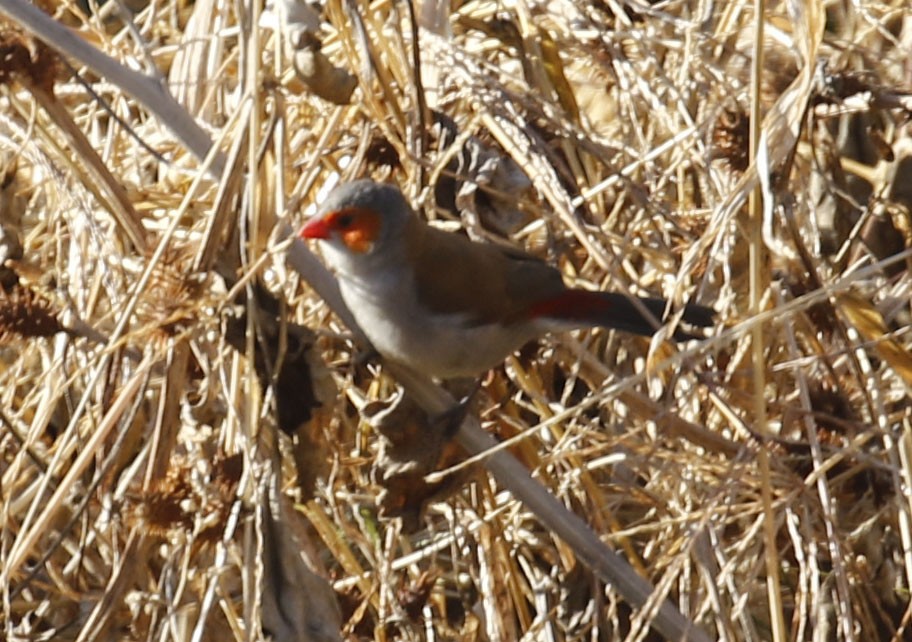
x,y
360,235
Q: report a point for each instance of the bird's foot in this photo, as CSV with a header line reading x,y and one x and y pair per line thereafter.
x,y
449,421
363,357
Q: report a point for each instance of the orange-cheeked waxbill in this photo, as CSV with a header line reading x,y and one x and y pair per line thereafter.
x,y
447,306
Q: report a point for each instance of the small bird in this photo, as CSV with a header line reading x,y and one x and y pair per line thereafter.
x,y
445,305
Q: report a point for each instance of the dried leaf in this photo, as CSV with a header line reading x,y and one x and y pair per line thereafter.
x,y
865,318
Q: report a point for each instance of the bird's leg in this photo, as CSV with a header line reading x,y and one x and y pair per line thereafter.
x,y
361,357
449,421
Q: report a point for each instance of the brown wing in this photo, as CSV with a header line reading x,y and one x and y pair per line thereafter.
x,y
457,274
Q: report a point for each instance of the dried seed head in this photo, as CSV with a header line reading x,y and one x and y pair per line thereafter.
x,y
25,314
27,60
731,138
171,301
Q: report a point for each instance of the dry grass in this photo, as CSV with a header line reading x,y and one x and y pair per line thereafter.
x,y
760,479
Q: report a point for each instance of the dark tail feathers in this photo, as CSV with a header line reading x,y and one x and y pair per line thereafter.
x,y
618,311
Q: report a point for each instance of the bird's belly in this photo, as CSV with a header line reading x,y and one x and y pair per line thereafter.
x,y
442,346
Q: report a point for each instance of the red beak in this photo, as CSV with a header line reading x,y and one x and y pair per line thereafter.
x,y
316,228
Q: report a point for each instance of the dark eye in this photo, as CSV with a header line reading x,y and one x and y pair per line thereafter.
x,y
344,221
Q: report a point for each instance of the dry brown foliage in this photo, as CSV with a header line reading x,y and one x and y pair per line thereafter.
x,y
760,479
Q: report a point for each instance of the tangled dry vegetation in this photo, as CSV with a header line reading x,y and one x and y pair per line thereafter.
x,y
163,364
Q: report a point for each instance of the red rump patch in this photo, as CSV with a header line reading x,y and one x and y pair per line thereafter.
x,y
572,305
583,308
